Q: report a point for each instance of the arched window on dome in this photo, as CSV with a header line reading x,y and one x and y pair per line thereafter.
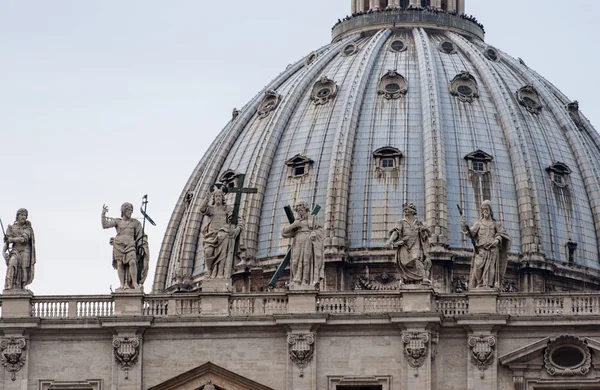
x,y
387,159
298,166
559,174
479,164
228,178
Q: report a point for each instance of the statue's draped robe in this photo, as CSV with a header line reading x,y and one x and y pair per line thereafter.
x,y
21,257
306,258
126,245
215,234
487,263
411,256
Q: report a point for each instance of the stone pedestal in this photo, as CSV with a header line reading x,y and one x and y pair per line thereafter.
x,y
16,303
417,298
302,300
215,304
482,301
216,285
128,302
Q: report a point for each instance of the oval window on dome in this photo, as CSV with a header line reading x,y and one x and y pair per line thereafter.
x,y
529,98
392,85
567,355
269,103
447,47
398,45
465,90
323,91
464,87
311,58
349,49
491,54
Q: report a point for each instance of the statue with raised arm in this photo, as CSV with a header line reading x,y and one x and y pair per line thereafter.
x,y
219,234
19,253
130,247
307,251
410,237
491,252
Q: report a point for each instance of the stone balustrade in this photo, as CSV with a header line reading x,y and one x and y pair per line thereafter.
x,y
332,303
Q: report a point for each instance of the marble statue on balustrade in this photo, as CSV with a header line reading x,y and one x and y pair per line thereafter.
x,y
19,253
410,237
490,255
307,248
130,248
222,239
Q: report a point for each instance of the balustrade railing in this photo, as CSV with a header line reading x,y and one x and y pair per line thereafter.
x,y
453,305
72,307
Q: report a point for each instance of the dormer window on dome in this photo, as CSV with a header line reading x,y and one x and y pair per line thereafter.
x,y
397,45
298,166
559,174
491,54
529,98
479,162
392,85
464,87
447,47
349,50
311,58
269,103
323,91
387,158
228,178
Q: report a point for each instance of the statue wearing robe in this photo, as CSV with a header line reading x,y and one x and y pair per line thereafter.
x,y
19,253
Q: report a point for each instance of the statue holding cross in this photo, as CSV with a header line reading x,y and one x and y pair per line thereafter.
x,y
222,230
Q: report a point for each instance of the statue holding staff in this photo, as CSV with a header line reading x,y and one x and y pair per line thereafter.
x,y
491,252
410,237
19,253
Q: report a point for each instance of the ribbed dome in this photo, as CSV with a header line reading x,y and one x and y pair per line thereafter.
x,y
403,106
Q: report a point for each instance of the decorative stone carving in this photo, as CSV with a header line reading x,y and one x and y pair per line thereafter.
x,y
209,386
235,113
392,85
269,103
509,286
130,248
127,352
567,356
529,98
307,251
323,91
301,349
447,47
381,282
311,58
573,110
410,237
490,254
415,348
464,86
559,174
491,54
397,45
13,354
349,50
482,351
219,234
19,253
459,285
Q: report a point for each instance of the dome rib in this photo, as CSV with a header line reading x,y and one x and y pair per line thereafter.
x,y
590,177
436,186
271,137
205,178
336,210
527,193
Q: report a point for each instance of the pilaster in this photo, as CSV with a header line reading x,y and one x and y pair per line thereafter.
x,y
482,364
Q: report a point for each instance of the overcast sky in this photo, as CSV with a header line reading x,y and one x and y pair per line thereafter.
x,y
102,102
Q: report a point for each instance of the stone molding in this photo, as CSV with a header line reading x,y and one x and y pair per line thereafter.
x,y
91,384
568,341
482,351
127,352
13,354
301,349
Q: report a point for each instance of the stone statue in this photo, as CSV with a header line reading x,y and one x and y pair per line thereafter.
x,y
222,239
19,253
491,254
130,248
306,258
411,238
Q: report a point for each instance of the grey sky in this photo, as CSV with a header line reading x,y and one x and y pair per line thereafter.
x,y
105,101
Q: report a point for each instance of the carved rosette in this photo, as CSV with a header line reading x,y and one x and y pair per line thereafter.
x,y
482,351
301,349
269,103
415,348
323,91
13,354
579,358
127,352
464,87
529,98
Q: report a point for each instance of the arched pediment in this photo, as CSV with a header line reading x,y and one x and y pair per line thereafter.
x,y
219,377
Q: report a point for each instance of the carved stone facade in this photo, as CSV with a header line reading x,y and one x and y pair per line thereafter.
x,y
13,354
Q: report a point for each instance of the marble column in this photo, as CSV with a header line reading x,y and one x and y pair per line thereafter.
x,y
451,5
460,7
353,6
361,5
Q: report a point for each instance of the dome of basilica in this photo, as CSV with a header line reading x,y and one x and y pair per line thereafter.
x,y
405,105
